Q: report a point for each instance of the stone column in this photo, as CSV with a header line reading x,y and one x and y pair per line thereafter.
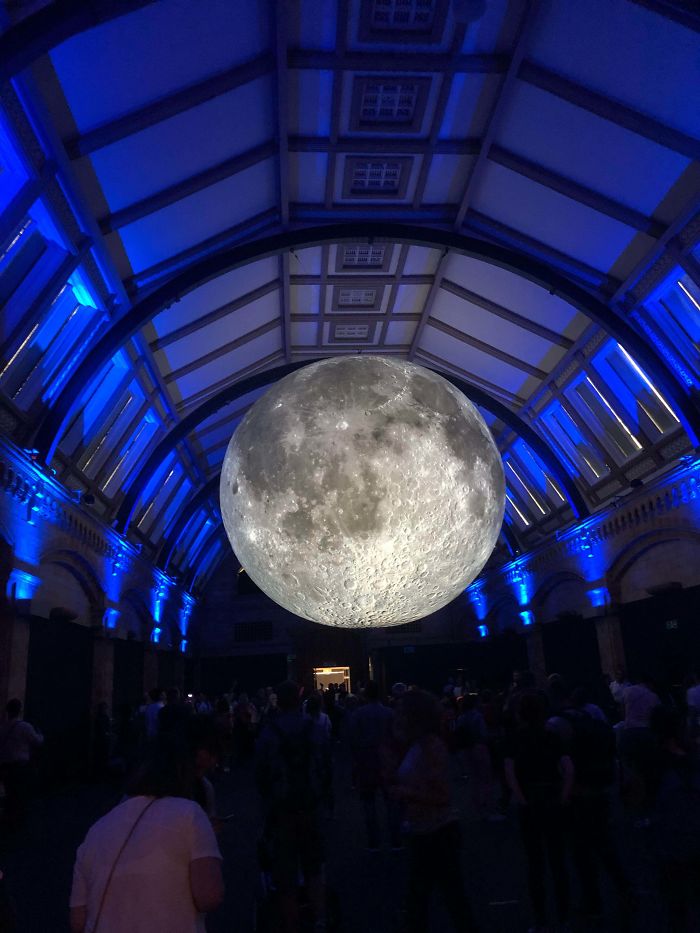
x,y
535,653
14,628
150,667
610,644
102,670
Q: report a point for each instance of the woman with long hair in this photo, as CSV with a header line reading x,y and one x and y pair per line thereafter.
x,y
152,863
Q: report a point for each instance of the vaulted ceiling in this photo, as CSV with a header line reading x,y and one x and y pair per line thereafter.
x,y
199,195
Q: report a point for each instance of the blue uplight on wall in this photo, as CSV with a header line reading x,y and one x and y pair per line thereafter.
x,y
477,597
598,596
527,616
111,619
483,631
22,585
183,645
155,635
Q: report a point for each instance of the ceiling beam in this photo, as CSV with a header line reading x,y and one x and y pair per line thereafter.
x,y
166,107
610,110
222,350
279,19
302,213
50,427
579,193
338,66
384,144
207,409
429,302
514,361
186,187
388,60
528,13
511,316
496,391
212,316
144,281
684,13
56,22
202,497
14,215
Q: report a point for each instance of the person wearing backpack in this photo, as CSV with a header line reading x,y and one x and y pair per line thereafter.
x,y
590,742
293,777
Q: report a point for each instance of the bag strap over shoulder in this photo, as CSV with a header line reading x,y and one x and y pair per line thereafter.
x,y
114,864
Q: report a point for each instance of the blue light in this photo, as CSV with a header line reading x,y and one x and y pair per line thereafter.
x,y
111,618
155,635
483,631
183,645
598,596
477,597
24,584
527,616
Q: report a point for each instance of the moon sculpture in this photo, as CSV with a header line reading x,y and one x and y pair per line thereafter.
x,y
362,491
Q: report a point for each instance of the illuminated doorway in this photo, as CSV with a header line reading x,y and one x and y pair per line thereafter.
x,y
323,676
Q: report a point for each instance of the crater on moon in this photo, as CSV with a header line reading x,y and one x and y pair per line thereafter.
x,y
362,491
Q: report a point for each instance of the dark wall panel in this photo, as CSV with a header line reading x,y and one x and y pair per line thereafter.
x,y
59,688
128,673
662,635
218,675
571,649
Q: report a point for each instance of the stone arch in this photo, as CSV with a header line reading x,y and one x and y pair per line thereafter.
x,y
83,574
504,614
563,591
133,600
653,559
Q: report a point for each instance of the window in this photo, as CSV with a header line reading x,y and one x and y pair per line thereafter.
x,y
381,104
361,298
535,474
631,387
363,256
597,404
350,332
375,178
402,20
516,478
675,312
354,297
580,455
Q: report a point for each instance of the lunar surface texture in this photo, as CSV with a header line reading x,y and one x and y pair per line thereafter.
x,y
362,491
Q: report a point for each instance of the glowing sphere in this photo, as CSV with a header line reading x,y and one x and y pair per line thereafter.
x,y
362,491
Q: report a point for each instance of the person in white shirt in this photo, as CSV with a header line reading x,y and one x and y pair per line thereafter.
x,y
153,862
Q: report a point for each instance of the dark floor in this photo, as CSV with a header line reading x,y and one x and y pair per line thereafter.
x,y
369,885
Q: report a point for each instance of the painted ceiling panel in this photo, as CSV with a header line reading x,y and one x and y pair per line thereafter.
x,y
227,414
421,261
447,178
199,216
347,127
413,164
136,59
185,145
484,34
410,299
314,24
215,294
595,153
625,52
307,176
219,333
400,333
468,358
479,323
551,218
225,367
464,114
310,96
304,335
510,291
304,299
306,261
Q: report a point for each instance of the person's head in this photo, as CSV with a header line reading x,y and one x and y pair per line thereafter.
x,y
371,691
398,690
13,708
313,706
166,770
532,710
418,716
204,741
288,696
524,680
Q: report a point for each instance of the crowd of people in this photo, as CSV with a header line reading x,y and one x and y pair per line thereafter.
x,y
549,755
